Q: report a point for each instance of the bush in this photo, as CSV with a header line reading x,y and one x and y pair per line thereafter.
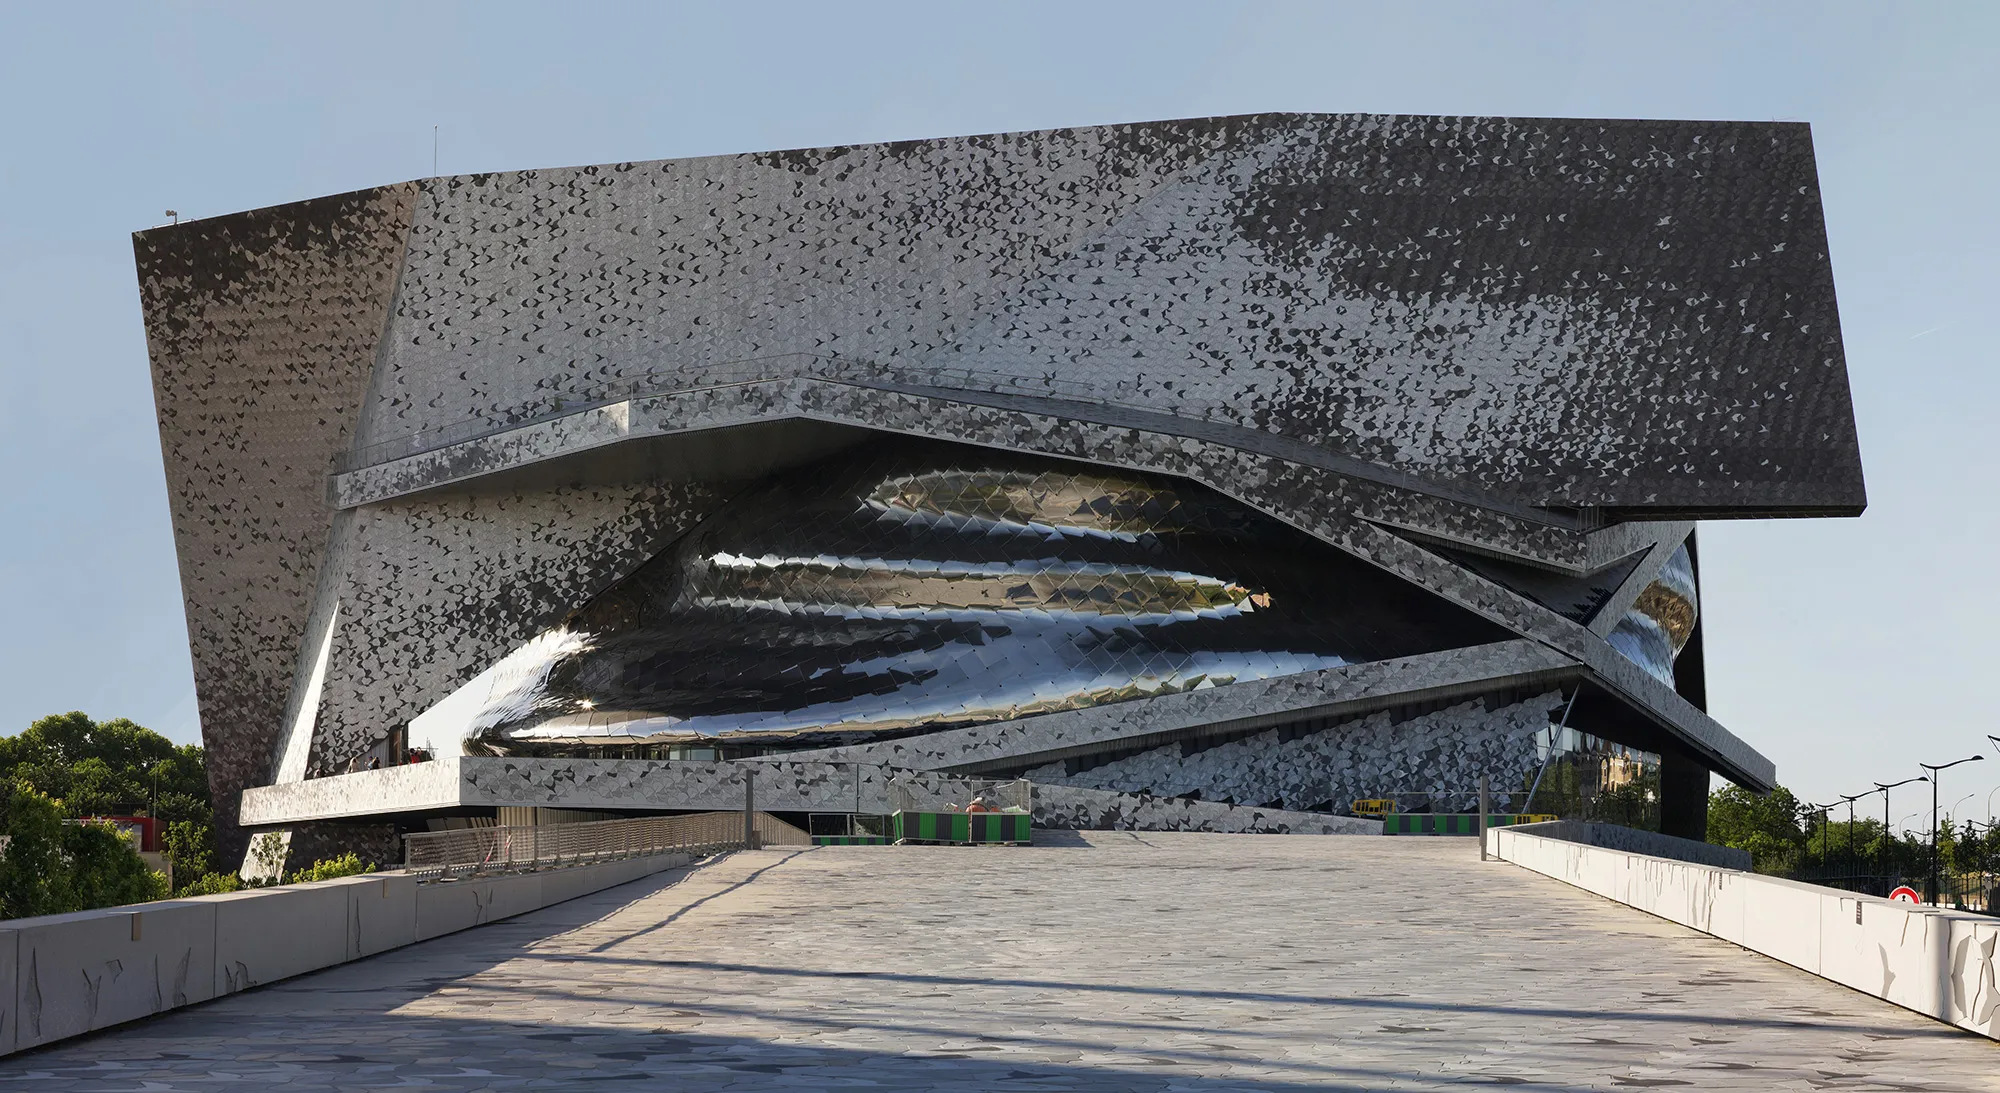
x,y
34,879
52,868
189,845
104,869
214,884
346,865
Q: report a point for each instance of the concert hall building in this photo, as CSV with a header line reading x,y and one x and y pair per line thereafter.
x,y
1216,474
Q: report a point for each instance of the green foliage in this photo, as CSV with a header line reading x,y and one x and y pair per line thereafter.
x,y
346,865
34,878
213,884
99,768
265,863
1767,826
1974,850
51,867
1786,839
68,766
190,846
104,869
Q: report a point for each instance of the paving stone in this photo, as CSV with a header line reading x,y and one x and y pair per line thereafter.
x,y
1153,961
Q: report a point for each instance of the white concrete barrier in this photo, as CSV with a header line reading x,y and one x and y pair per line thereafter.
x,y
268,934
64,975
381,912
1939,963
83,971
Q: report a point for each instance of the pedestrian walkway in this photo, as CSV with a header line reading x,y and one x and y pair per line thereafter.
x,y
1150,962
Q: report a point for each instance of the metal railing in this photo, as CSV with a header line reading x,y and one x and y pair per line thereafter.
x,y
771,831
441,855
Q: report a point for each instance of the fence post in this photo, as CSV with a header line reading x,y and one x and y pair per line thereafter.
x,y
1482,817
749,807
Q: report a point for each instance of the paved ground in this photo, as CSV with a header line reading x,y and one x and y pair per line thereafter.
x,y
1196,963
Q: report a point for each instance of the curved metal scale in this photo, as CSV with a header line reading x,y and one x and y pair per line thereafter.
x,y
917,586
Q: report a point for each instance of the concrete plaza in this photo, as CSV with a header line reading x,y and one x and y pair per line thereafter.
x,y
1102,961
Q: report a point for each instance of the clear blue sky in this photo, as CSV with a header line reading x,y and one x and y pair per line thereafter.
x,y
1845,650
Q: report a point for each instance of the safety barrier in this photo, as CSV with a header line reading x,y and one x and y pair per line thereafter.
x,y
1449,823
442,855
65,975
1939,963
962,828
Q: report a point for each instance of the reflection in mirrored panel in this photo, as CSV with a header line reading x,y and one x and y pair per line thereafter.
x,y
1585,777
909,586
1656,629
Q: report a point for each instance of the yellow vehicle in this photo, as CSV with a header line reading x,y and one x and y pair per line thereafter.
x,y
1374,807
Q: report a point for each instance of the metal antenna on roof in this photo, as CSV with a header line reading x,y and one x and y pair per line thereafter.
x,y
175,215
434,151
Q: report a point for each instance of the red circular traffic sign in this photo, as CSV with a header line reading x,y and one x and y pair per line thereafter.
x,y
1906,894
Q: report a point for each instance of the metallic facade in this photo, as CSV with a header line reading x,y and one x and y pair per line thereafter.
x,y
410,431
911,585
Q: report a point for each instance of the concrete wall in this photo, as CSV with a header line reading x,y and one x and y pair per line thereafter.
x,y
1939,963
1616,837
64,975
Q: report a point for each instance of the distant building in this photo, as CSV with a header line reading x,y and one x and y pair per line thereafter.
x,y
1280,461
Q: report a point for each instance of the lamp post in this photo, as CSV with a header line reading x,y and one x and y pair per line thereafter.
x,y
1951,814
1934,768
1996,789
1850,827
1885,815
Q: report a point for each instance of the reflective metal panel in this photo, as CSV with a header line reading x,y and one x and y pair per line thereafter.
x,y
1660,621
910,586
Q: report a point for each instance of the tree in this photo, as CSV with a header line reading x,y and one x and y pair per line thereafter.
x,y
105,871
107,768
52,867
34,879
77,767
1767,826
190,846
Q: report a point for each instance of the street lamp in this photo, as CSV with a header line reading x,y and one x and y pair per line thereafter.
x,y
1821,809
1934,768
1850,827
1811,809
1885,815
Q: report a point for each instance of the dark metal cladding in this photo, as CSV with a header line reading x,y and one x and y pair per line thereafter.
x,y
262,329
1557,312
1476,366
919,586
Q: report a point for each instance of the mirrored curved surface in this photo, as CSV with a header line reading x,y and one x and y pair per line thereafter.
x,y
1657,627
908,586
